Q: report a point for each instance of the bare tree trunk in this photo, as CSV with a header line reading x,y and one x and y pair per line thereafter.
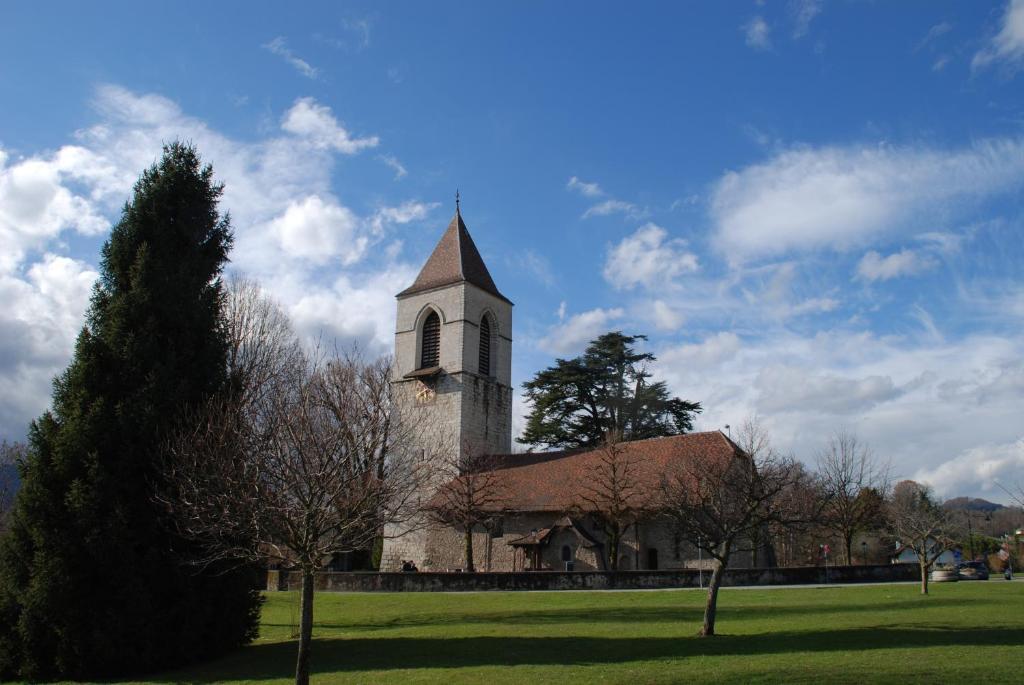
x,y
613,552
848,542
469,550
711,607
924,577
636,546
305,628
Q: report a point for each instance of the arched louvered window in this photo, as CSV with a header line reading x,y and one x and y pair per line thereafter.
x,y
485,347
430,353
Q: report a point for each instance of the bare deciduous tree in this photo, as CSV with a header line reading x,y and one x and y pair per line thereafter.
x,y
611,494
920,524
796,541
1016,492
721,502
300,461
263,350
854,482
313,471
471,496
11,454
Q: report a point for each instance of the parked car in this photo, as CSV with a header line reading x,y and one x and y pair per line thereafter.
x,y
973,570
944,574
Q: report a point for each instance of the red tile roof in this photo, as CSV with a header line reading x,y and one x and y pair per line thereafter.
x,y
553,481
541,537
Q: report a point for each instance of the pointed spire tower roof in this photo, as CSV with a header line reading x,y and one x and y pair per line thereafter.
x,y
454,260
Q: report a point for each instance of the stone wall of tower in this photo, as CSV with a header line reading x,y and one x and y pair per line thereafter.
x,y
487,401
461,409
472,411
486,424
442,413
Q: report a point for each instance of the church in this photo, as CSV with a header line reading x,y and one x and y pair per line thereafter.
x,y
453,373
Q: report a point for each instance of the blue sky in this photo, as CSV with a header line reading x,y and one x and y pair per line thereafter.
x,y
814,209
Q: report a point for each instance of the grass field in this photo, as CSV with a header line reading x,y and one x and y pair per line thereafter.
x,y
963,632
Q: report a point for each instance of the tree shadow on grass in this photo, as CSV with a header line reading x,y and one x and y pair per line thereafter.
x,y
634,614
276,660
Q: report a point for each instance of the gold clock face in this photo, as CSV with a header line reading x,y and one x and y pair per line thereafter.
x,y
424,394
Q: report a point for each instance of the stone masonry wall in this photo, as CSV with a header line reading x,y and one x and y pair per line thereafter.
x,y
486,414
444,548
590,580
462,410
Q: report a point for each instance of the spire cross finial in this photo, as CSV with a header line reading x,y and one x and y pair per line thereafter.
x,y
456,200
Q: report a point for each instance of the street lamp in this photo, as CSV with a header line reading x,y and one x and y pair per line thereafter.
x,y
864,552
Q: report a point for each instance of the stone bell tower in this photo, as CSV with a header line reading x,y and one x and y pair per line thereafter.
x,y
453,366
453,347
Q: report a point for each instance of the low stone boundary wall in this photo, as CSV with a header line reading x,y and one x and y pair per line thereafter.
x,y
588,580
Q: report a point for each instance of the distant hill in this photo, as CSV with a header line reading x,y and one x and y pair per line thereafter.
x,y
971,504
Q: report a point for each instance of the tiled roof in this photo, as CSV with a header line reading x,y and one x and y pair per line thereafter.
x,y
542,536
454,260
553,481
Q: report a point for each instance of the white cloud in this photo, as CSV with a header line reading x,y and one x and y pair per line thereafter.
x,y
392,162
813,305
279,47
804,12
691,200
713,351
757,34
583,188
994,302
942,242
319,231
707,372
917,400
309,250
359,29
354,35
37,204
1000,380
649,258
1008,44
405,213
572,335
315,122
606,207
875,267
773,293
842,197
977,468
612,206
784,388
934,33
40,320
349,308
927,322
665,317
120,105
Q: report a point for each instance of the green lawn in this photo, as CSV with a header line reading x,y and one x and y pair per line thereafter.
x,y
962,632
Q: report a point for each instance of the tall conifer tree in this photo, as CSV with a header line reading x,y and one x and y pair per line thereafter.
x,y
606,391
92,580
